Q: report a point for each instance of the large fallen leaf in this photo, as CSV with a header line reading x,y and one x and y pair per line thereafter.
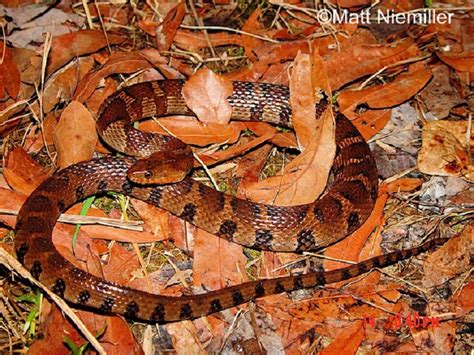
x,y
75,136
440,95
62,83
193,41
72,45
306,176
302,100
387,95
22,173
9,73
361,60
166,31
445,149
119,62
217,262
460,61
348,342
370,122
191,131
451,259
206,93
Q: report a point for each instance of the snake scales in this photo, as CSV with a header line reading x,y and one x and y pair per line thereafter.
x,y
341,210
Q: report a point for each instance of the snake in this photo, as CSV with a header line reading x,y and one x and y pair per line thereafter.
x,y
346,203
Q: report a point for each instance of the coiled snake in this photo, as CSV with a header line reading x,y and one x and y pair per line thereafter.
x,y
346,204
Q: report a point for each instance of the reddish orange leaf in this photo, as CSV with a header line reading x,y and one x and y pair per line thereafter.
x,y
305,177
71,45
191,131
460,61
450,260
23,173
371,121
303,101
9,73
167,29
217,262
348,342
404,184
383,96
75,136
361,60
119,62
62,84
464,299
206,93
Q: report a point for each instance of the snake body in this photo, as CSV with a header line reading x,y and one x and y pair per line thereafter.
x,y
345,205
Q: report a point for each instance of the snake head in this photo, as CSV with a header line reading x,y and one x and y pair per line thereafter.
x,y
161,168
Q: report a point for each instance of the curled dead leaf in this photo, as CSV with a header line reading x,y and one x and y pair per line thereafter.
x,y
463,61
72,45
387,95
119,62
75,136
23,173
206,93
445,149
62,83
451,259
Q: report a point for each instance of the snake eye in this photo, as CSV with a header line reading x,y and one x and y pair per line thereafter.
x,y
148,174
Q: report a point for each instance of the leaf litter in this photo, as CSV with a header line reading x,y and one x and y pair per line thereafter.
x,y
408,94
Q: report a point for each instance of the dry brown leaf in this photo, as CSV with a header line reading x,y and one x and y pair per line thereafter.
x,y
306,176
37,139
217,262
193,41
62,83
234,151
166,31
460,61
156,219
445,149
119,62
464,299
451,259
404,184
184,338
250,165
252,25
206,95
360,60
348,342
191,131
72,45
387,95
298,185
9,73
23,173
75,136
302,100
372,121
